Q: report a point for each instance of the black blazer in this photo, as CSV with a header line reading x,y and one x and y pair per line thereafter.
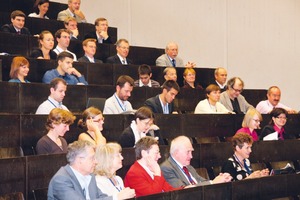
x,y
268,129
154,104
127,138
85,59
94,36
116,60
9,28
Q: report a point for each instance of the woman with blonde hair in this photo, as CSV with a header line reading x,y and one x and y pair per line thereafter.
x,y
109,160
92,121
251,122
189,76
19,70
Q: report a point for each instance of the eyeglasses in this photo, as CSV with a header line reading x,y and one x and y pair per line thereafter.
x,y
236,90
256,120
285,118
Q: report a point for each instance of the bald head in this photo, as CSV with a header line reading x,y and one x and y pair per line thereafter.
x,y
181,150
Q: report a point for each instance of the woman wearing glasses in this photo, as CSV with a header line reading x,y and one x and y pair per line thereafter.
x,y
251,122
277,123
92,121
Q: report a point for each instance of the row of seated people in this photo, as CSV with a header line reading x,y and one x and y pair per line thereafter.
x,y
39,172
26,130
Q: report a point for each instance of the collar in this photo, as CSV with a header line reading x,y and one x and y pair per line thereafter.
x,y
56,103
220,85
71,13
92,60
137,135
121,58
180,165
141,84
146,169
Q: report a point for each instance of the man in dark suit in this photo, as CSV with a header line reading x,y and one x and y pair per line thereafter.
x,y
89,47
163,103
71,25
122,46
177,169
17,18
76,180
220,78
101,34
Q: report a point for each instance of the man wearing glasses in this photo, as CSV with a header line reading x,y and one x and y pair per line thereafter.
x,y
232,98
122,47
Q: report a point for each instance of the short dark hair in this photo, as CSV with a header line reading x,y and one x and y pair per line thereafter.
x,y
60,31
211,88
169,84
56,81
124,79
17,13
99,20
143,113
276,112
144,69
59,116
239,139
64,55
145,144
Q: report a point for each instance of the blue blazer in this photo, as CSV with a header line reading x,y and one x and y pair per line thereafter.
x,y
64,186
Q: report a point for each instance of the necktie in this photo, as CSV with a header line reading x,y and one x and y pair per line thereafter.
x,y
187,173
19,32
174,62
123,62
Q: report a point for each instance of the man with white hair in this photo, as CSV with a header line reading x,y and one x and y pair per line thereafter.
x,y
177,169
170,57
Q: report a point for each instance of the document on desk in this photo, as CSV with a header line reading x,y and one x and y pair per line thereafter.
x,y
271,136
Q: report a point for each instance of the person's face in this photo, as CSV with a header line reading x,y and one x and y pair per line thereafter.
x,y
23,71
153,154
99,119
171,74
125,92
172,51
74,5
65,64
254,122
102,26
190,77
90,48
170,95
184,155
274,96
214,96
221,76
280,120
123,49
117,161
43,8
235,91
60,129
145,78
87,161
18,22
245,151
144,124
59,93
64,40
72,25
48,41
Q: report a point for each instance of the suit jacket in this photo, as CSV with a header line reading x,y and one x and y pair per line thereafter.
x,y
94,36
64,185
127,138
62,15
225,100
175,176
116,60
154,104
85,59
138,179
9,28
164,61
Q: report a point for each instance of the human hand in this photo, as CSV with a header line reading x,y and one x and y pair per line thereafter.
x,y
264,172
255,174
153,166
92,126
79,14
75,32
222,178
73,71
126,193
190,65
104,34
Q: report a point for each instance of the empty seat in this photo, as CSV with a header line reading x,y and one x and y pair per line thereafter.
x,y
11,152
258,166
201,140
96,102
202,172
40,194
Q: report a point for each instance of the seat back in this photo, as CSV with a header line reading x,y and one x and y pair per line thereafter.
x,y
11,152
96,102
201,140
40,194
202,172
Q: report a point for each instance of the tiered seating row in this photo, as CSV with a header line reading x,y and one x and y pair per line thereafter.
x,y
32,172
26,130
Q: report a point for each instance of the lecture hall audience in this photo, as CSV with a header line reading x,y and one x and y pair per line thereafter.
x,y
122,46
17,18
41,8
101,34
46,44
189,76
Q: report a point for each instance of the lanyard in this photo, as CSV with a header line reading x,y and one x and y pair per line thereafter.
x,y
118,188
123,108
52,103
